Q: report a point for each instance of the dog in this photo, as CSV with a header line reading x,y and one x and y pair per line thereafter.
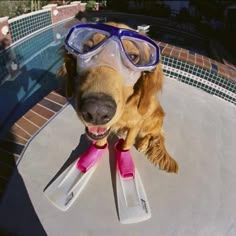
x,y
106,105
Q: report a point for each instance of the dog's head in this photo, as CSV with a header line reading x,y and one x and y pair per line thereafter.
x,y
102,91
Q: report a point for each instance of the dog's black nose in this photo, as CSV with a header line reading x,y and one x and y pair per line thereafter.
x,y
97,108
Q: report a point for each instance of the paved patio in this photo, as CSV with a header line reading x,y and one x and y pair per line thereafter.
x,y
199,200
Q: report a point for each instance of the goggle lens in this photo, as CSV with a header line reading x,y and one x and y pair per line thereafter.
x,y
85,40
140,51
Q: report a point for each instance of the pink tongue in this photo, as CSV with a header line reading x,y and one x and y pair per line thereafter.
x,y
96,129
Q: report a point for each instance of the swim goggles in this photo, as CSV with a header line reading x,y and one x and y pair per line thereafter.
x,y
125,50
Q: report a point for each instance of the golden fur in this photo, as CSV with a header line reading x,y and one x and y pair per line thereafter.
x,y
139,115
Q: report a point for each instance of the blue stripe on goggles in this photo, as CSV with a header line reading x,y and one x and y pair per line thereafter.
x,y
138,51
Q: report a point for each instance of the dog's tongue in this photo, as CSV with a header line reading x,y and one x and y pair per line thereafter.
x,y
96,129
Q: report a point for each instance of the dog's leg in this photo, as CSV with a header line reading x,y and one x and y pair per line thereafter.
x,y
130,139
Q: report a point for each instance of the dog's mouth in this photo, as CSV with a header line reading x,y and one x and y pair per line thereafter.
x,y
97,132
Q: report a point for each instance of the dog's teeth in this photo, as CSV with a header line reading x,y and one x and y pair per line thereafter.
x,y
96,133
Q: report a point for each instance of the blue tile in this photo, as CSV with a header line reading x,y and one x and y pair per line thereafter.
x,y
25,26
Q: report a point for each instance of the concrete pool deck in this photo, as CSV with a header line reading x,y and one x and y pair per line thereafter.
x,y
199,200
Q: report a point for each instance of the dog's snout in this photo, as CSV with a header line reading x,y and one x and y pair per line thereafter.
x,y
97,109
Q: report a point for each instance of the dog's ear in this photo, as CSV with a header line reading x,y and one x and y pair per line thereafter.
x,y
68,70
150,83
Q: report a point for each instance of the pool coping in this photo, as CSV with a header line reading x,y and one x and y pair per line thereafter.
x,y
217,73
24,130
229,72
225,69
13,145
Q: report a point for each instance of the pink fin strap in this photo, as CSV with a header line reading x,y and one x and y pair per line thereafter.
x,y
124,161
90,157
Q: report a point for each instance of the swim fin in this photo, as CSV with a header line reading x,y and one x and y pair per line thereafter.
x,y
67,187
133,206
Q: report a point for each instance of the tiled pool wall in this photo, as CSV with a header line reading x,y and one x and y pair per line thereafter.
x,y
33,55
178,63
24,52
23,26
199,77
199,71
188,67
35,75
17,28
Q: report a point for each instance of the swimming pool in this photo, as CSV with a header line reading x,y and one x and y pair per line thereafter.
x,y
28,72
160,29
28,69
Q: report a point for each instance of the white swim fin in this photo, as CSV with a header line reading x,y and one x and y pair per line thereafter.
x,y
67,187
133,206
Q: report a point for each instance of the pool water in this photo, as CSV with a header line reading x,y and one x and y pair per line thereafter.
x,y
28,69
160,29
28,72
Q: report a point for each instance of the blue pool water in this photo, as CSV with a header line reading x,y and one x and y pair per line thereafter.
x,y
160,30
28,72
28,69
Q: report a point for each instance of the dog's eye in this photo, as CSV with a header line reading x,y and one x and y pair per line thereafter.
x,y
86,48
134,58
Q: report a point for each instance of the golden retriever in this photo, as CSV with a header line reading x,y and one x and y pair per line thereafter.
x,y
105,105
